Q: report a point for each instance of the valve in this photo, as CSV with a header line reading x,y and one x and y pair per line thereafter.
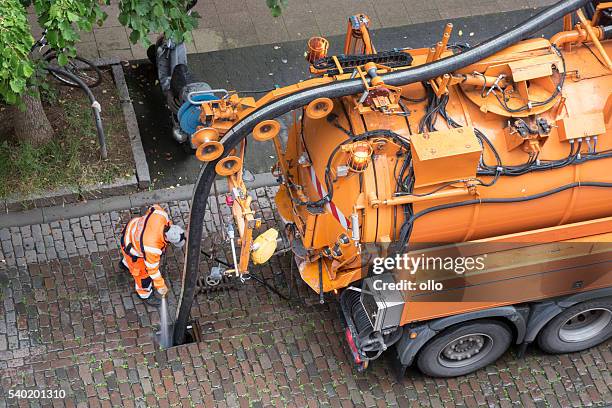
x,y
215,275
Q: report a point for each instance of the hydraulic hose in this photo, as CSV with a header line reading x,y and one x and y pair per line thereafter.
x,y
335,90
95,107
589,9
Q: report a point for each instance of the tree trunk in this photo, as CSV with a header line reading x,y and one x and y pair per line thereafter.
x,y
32,124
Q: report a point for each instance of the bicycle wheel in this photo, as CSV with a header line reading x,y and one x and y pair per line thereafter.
x,y
81,67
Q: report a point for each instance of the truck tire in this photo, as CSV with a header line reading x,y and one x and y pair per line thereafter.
x,y
578,327
464,348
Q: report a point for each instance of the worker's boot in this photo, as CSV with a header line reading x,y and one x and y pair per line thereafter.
x,y
151,300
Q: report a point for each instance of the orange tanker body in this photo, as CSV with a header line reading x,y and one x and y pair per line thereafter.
x,y
373,193
503,163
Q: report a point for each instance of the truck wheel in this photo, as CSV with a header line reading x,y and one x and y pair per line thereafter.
x,y
464,348
578,328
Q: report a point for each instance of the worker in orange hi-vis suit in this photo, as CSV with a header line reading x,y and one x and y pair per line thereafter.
x,y
143,242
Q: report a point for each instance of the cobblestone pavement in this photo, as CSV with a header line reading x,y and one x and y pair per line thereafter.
x,y
240,23
69,321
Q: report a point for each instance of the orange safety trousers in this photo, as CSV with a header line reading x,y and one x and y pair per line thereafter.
x,y
142,245
142,281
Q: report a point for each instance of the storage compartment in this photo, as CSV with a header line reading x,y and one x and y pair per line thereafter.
x,y
445,155
584,125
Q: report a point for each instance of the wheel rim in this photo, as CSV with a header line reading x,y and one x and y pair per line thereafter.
x,y
465,350
585,325
84,73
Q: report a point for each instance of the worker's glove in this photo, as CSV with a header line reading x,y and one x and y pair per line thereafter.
x,y
163,291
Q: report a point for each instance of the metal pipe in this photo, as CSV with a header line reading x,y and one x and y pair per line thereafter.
x,y
594,38
230,233
580,35
355,227
479,80
334,90
566,37
438,50
409,199
430,55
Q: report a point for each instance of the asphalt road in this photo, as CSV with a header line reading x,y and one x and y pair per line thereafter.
x,y
265,67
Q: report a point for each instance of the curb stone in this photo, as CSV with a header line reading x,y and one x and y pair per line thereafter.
x,y
140,160
116,203
65,196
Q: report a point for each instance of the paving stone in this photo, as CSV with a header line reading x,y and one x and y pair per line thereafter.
x,y
122,54
5,234
111,38
238,29
207,39
74,323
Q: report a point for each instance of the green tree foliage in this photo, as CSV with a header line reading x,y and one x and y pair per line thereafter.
x,y
64,19
276,6
15,43
157,16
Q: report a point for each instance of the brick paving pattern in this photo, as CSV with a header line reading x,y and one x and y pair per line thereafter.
x,y
241,23
69,321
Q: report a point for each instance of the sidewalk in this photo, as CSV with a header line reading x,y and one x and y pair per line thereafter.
x,y
229,24
70,322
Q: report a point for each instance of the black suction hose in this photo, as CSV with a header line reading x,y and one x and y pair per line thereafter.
x,y
95,107
335,90
589,10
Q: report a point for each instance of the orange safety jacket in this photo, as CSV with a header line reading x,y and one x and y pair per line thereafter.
x,y
143,238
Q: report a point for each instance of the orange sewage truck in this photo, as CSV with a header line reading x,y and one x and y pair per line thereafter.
x,y
456,199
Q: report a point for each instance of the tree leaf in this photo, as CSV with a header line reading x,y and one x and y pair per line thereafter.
x,y
62,59
27,69
15,42
141,8
17,85
276,11
134,36
123,19
52,36
72,17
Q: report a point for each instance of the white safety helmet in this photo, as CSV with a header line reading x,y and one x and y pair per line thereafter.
x,y
176,236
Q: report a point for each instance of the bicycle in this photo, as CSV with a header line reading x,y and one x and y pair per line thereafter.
x,y
79,72
81,67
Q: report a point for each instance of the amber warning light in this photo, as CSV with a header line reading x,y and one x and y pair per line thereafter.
x,y
360,156
317,49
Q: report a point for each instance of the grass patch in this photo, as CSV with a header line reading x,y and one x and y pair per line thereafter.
x,y
72,159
